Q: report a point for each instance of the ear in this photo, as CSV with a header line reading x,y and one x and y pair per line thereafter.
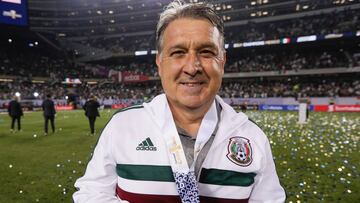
x,y
158,60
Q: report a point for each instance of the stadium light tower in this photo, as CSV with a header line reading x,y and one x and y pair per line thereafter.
x,y
17,94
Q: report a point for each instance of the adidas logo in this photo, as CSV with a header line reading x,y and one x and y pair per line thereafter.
x,y
146,145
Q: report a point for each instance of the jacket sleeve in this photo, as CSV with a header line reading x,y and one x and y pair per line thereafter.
x,y
53,106
100,179
267,188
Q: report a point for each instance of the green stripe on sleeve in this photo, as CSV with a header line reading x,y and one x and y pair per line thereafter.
x,y
145,172
225,177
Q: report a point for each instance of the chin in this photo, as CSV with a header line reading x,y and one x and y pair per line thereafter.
x,y
193,103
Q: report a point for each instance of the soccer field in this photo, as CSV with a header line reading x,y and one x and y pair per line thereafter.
x,y
316,162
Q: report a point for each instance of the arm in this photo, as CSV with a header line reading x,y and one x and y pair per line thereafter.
x,y
53,106
267,188
100,179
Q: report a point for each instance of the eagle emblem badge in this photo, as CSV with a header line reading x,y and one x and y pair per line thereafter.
x,y
239,151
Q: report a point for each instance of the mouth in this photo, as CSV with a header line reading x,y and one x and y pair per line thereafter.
x,y
192,84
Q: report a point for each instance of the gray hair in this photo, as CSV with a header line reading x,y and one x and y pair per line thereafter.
x,y
178,9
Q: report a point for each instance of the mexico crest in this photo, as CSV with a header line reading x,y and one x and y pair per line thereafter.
x,y
239,151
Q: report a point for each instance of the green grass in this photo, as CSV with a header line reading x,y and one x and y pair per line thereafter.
x,y
44,168
316,162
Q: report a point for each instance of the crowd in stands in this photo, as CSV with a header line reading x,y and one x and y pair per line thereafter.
x,y
285,61
322,88
237,89
29,62
57,69
118,45
342,21
25,64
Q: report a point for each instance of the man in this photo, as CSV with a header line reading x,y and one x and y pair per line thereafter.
x,y
15,112
186,145
49,113
91,111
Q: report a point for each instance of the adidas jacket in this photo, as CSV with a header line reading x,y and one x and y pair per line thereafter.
x,y
130,162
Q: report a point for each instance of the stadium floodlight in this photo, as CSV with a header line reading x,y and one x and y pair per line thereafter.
x,y
17,94
9,40
66,97
36,43
36,94
31,44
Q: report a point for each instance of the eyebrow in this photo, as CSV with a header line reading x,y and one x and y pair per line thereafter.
x,y
197,47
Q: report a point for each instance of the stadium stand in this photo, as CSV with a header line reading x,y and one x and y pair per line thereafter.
x,y
273,49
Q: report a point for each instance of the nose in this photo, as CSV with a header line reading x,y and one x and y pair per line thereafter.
x,y
192,65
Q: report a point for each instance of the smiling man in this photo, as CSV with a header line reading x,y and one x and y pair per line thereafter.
x,y
191,65
186,145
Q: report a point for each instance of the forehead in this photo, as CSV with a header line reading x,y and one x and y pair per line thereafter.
x,y
190,31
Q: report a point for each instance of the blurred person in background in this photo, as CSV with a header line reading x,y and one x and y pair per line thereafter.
x,y
48,107
186,145
91,111
15,112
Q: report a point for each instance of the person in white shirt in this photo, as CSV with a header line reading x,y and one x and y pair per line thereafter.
x,y
186,145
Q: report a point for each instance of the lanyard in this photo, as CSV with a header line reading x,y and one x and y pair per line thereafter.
x,y
184,176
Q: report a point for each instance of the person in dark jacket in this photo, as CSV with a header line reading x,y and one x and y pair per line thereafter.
x,y
15,112
49,113
91,111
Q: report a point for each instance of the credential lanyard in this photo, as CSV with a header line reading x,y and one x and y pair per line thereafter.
x,y
185,178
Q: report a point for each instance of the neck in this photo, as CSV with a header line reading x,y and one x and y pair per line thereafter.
x,y
189,119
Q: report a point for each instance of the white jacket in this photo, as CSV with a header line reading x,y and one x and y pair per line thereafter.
x,y
131,163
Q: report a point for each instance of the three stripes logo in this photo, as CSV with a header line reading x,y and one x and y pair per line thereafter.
x,y
146,145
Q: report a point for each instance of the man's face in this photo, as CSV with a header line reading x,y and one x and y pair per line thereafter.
x,y
191,63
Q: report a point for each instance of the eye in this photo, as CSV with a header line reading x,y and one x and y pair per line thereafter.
x,y
207,53
177,53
